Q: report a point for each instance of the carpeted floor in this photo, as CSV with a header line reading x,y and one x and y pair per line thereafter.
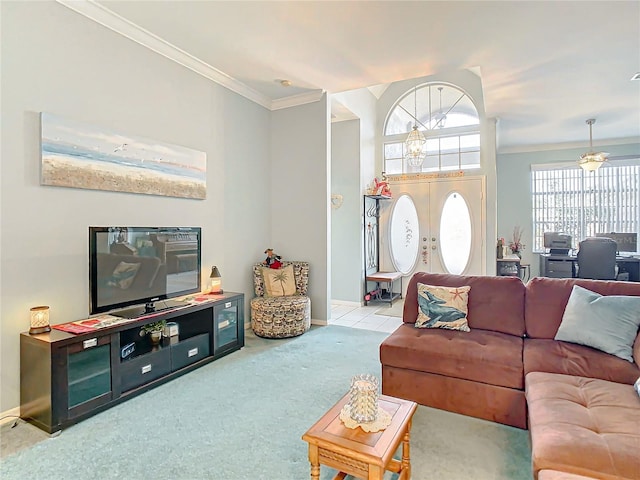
x,y
242,418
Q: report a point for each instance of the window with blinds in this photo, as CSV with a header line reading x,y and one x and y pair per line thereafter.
x,y
569,200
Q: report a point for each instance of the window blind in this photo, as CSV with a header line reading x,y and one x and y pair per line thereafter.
x,y
569,200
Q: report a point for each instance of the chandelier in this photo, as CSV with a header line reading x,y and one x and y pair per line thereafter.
x,y
414,144
592,161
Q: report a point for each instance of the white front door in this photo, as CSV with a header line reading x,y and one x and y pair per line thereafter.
x,y
451,217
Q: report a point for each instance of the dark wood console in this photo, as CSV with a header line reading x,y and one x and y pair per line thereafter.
x,y
65,378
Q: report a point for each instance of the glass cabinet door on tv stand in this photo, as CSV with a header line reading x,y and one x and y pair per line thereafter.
x,y
228,332
61,380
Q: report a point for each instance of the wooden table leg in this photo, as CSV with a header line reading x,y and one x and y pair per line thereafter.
x,y
406,457
315,462
375,472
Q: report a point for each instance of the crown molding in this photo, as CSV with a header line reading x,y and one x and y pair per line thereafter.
x,y
295,100
107,18
565,146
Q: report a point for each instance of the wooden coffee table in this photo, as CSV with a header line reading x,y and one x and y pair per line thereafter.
x,y
356,452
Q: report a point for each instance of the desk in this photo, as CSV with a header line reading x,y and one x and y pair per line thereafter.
x,y
564,266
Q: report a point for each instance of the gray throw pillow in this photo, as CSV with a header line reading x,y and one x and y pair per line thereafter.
x,y
606,322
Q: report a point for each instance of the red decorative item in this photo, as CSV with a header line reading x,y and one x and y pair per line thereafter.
x,y
272,260
382,188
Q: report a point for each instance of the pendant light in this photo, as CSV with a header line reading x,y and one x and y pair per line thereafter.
x,y
592,161
414,144
440,117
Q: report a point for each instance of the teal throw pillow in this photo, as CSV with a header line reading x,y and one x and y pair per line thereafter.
x,y
606,322
443,307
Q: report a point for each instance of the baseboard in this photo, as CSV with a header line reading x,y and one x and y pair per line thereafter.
x,y
314,321
346,303
10,415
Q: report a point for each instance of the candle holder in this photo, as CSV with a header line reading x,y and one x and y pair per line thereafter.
x,y
362,409
363,401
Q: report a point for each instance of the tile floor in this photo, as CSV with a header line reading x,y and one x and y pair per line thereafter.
x,y
363,317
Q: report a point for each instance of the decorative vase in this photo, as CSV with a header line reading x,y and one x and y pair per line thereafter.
x,y
155,337
364,398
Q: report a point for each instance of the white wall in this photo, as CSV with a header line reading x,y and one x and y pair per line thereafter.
x,y
350,267
515,207
300,206
57,61
346,229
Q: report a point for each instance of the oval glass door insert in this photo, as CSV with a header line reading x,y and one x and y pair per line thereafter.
x,y
455,234
404,233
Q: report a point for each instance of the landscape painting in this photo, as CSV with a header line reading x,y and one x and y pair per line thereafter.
x,y
78,155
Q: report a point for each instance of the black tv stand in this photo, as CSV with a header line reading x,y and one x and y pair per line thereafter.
x,y
65,378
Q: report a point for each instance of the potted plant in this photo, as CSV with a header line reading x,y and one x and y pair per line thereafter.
x,y
516,244
154,329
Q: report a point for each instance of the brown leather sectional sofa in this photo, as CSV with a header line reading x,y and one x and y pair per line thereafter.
x,y
578,402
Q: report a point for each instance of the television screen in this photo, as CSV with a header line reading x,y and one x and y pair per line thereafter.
x,y
141,265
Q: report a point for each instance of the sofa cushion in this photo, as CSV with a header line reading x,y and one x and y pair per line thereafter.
x,y
546,298
495,303
606,322
556,475
553,356
442,307
479,355
583,425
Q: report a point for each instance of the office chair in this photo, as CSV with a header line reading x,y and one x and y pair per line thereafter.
x,y
597,259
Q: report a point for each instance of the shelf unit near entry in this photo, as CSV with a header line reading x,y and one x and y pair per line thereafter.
x,y
372,255
388,278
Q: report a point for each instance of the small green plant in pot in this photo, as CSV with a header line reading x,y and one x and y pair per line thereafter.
x,y
154,330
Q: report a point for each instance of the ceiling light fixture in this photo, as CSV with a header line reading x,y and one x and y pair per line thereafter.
x,y
285,83
592,161
414,144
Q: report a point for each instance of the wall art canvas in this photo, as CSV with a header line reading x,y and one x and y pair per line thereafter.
x,y
78,155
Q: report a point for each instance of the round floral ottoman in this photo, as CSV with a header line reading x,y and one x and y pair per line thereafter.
x,y
280,317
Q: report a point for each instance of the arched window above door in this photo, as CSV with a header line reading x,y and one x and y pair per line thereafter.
x,y
448,119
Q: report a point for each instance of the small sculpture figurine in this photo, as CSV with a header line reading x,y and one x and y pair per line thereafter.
x,y
382,188
272,260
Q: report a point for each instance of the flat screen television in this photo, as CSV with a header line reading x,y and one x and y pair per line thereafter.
x,y
138,266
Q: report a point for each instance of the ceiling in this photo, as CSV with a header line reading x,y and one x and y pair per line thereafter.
x,y
545,66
